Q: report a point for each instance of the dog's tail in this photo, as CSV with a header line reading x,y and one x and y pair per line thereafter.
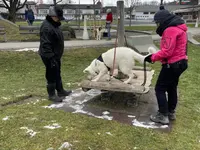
x,y
138,56
152,50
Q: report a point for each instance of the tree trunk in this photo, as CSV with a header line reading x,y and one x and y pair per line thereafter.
x,y
161,2
12,15
54,2
130,18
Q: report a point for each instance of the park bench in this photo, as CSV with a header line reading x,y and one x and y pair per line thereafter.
x,y
3,33
29,30
141,43
36,30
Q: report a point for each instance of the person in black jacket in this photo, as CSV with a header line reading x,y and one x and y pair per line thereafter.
x,y
51,50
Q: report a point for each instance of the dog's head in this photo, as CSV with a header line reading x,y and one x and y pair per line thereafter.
x,y
90,70
100,28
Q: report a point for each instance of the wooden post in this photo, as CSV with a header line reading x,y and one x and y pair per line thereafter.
x,y
120,6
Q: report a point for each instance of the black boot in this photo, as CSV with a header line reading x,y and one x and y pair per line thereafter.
x,y
52,95
60,90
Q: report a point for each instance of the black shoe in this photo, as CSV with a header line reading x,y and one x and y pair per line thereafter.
x,y
60,90
52,95
55,98
64,93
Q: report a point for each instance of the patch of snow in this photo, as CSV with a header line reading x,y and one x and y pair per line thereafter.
x,y
53,126
34,118
55,105
77,94
5,98
20,95
109,133
135,148
147,124
68,84
131,116
29,131
27,49
98,133
93,92
91,114
65,145
6,118
105,113
51,148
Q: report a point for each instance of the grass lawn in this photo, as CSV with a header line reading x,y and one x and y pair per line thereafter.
x,y
22,74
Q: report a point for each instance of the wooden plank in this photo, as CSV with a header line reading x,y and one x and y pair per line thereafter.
x,y
29,27
117,86
29,32
141,68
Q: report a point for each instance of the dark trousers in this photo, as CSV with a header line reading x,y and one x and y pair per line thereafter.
x,y
53,73
167,82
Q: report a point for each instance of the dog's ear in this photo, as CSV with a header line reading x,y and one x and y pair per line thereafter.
x,y
86,70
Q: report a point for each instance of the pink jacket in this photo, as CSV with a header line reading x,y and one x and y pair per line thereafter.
x,y
172,45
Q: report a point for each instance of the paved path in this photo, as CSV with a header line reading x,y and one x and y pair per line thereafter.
x,y
68,44
75,43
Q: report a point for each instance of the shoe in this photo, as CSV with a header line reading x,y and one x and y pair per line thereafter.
x,y
60,90
64,93
172,116
51,92
159,118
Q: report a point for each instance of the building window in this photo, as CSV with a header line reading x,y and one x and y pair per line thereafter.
x,y
145,13
43,11
152,12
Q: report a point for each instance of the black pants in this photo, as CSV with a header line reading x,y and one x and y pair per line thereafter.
x,y
167,82
52,70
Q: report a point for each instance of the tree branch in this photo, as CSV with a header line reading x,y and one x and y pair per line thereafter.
x,y
3,6
58,1
20,7
5,3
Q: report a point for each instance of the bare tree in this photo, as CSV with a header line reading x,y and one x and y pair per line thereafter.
x,y
12,6
132,4
154,2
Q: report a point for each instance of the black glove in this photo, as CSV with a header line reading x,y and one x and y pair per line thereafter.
x,y
148,58
53,62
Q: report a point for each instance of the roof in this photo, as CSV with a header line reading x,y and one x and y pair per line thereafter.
x,y
154,8
70,6
188,9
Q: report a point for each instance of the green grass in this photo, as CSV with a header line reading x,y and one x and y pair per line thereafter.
x,y
23,73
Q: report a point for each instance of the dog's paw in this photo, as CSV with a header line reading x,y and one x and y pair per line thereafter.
x,y
94,80
127,82
135,76
108,78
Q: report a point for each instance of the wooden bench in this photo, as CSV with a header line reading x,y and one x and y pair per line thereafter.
x,y
29,30
3,32
36,30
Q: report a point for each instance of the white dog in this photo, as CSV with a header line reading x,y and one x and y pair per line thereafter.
x,y
124,61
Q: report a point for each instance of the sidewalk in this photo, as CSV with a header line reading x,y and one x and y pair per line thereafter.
x,y
68,44
76,43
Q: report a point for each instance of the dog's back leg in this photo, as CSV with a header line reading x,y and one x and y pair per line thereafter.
x,y
126,68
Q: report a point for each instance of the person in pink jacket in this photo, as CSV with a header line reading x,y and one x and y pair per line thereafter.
x,y
173,56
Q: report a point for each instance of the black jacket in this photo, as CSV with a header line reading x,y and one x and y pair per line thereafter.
x,y
51,39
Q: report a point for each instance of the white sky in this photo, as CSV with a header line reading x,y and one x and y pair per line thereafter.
x,y
106,2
